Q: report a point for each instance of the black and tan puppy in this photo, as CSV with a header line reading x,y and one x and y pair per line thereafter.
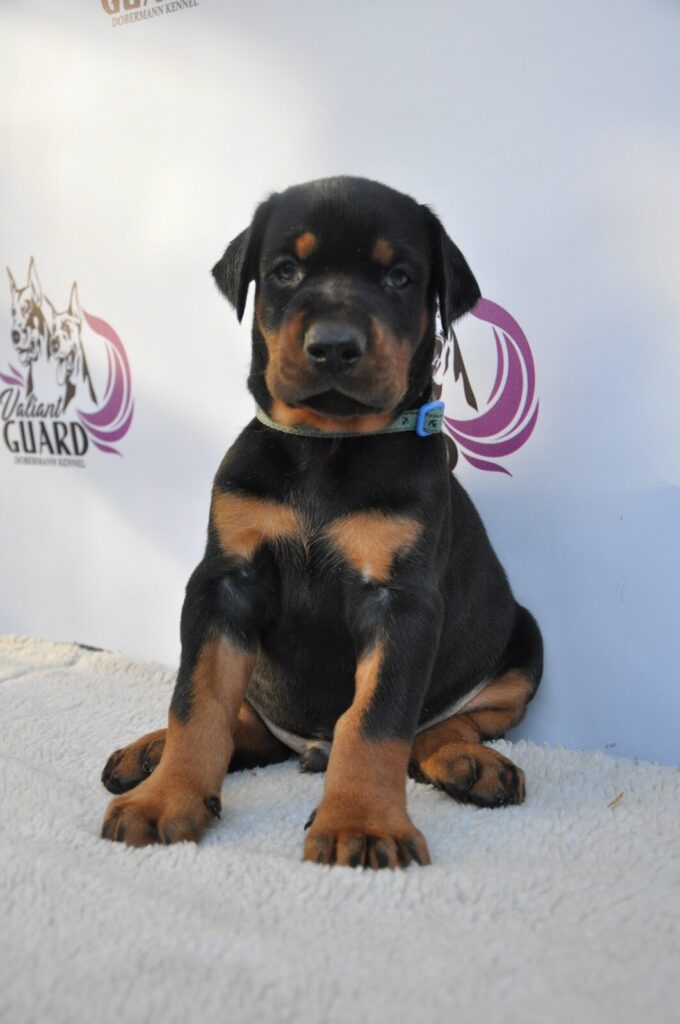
x,y
349,605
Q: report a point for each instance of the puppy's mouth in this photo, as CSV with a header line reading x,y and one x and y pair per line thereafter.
x,y
334,403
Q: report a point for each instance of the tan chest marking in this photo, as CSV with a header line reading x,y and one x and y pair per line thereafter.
x,y
370,541
244,523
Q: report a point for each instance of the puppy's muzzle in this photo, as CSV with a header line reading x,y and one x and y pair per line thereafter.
x,y
334,348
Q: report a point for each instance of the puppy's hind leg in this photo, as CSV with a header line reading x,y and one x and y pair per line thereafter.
x,y
254,747
451,755
127,766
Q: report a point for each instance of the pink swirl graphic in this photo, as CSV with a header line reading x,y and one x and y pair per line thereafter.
x,y
112,419
512,408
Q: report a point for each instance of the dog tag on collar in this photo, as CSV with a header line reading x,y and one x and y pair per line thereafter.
x,y
430,419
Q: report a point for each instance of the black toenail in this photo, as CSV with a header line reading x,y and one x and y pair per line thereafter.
x,y
214,805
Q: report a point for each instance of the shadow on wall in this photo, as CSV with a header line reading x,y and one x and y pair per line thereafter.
x,y
605,594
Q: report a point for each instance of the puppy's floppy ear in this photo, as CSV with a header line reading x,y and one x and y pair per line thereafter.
x,y
455,284
238,266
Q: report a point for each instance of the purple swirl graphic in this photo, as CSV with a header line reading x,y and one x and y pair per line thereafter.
x,y
16,380
512,408
112,419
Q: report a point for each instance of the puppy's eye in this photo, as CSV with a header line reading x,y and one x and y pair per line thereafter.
x,y
287,272
397,278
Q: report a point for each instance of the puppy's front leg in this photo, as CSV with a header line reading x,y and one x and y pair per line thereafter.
x,y
219,643
362,818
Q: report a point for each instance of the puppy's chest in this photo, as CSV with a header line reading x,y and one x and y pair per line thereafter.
x,y
311,541
317,573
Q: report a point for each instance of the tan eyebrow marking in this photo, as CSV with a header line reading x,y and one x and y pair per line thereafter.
x,y
383,252
305,244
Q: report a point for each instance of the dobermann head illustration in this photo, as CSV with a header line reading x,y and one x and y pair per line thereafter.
x,y
66,348
447,351
32,314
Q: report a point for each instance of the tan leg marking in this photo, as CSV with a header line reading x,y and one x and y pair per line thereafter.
x,y
254,746
451,756
243,523
170,805
362,818
500,705
370,541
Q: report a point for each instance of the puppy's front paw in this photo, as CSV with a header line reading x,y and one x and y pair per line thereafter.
x,y
361,839
159,811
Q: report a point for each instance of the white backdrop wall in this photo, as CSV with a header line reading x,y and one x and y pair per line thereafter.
x,y
545,136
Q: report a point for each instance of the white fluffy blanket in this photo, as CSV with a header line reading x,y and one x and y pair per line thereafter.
x,y
562,910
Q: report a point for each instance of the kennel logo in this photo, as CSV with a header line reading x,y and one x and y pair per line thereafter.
x,y
124,12
66,386
507,418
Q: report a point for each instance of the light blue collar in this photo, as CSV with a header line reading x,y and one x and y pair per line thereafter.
x,y
426,420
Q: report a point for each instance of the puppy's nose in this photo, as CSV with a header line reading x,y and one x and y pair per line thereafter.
x,y
334,347
16,337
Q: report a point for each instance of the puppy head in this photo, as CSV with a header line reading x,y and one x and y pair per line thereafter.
x,y
348,275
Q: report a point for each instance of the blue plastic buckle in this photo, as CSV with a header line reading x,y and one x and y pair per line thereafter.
x,y
430,418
